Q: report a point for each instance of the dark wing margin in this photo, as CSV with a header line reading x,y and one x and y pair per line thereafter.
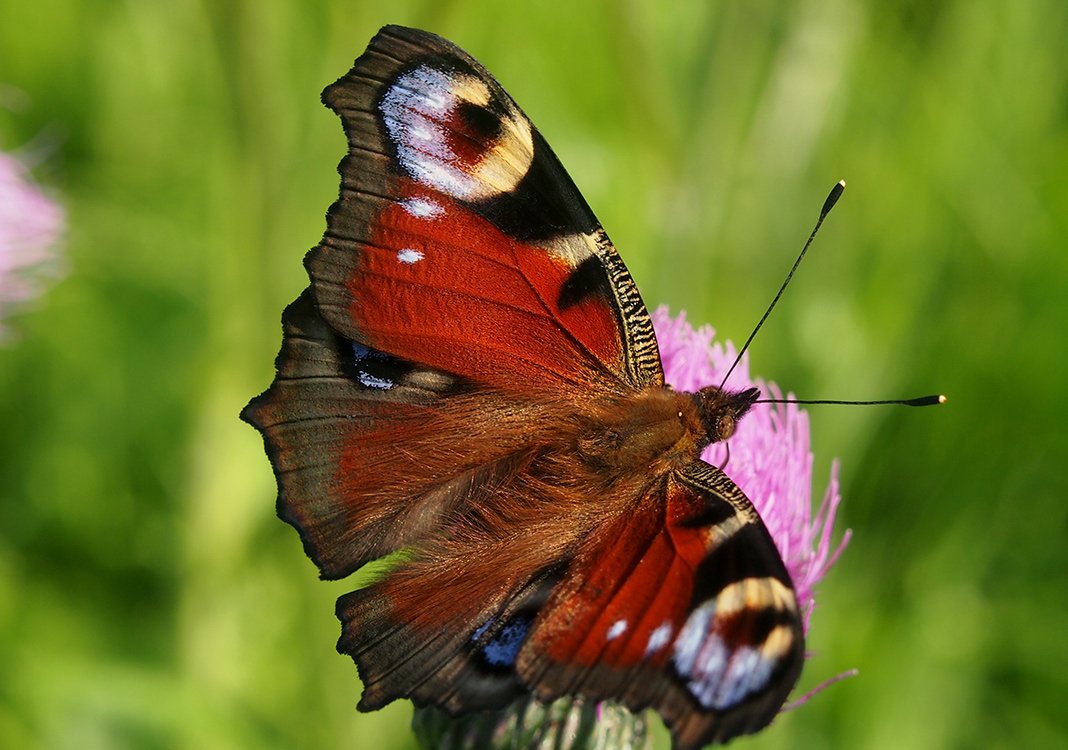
x,y
459,241
452,665
684,606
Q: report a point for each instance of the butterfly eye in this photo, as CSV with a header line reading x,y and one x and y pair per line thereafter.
x,y
726,427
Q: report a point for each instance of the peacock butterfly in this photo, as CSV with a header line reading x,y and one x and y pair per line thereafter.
x,y
472,378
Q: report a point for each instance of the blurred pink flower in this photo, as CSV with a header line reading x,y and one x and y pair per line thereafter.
x,y
770,458
30,227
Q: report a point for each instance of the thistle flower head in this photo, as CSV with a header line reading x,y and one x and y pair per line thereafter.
x,y
30,226
770,459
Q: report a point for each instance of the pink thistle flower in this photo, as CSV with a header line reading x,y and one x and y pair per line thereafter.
x,y
770,458
30,227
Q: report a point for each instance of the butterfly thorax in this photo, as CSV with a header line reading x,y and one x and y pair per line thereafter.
x,y
661,427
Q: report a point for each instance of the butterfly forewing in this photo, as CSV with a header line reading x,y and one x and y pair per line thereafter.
x,y
472,380
460,242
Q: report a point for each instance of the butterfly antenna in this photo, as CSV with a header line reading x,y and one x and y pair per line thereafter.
x,y
836,193
934,400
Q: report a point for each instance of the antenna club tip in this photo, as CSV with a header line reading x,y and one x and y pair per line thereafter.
x,y
832,198
936,400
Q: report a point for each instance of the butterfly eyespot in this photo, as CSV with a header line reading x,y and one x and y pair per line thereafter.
x,y
449,136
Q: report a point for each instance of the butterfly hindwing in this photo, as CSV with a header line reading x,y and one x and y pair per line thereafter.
x,y
460,242
682,605
450,663
334,410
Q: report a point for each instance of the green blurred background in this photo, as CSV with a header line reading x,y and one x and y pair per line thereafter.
x,y
149,597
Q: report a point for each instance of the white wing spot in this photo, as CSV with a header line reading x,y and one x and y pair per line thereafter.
x,y
409,256
692,635
659,638
422,208
412,110
746,673
619,627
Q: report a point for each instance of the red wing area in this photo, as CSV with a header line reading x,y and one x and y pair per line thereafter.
x,y
684,606
454,291
459,241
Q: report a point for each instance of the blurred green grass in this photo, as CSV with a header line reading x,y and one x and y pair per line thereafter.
x,y
148,596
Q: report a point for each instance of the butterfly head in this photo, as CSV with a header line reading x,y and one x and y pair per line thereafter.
x,y
720,410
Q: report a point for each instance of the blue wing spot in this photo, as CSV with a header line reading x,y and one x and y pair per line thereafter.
x,y
503,648
482,628
371,366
